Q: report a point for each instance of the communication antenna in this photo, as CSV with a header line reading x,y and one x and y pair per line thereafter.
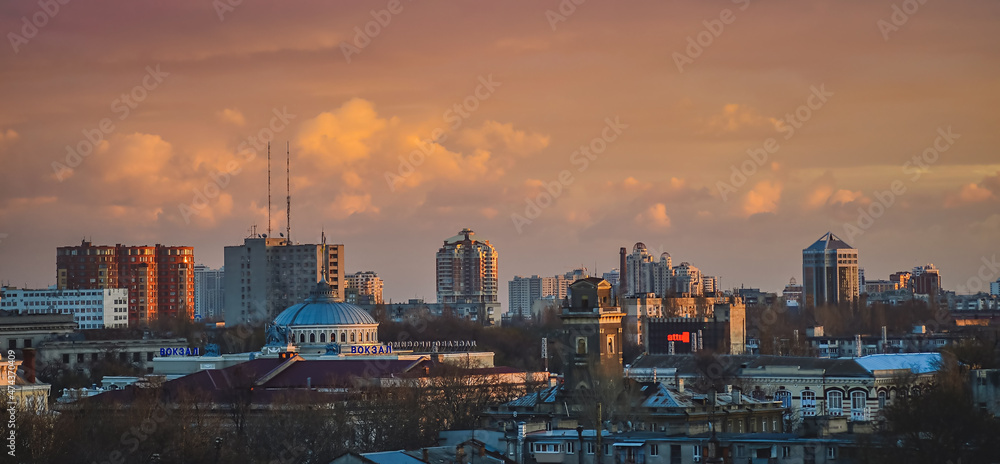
x,y
288,197
268,188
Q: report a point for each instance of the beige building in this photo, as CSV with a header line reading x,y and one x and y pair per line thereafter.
x,y
830,273
367,286
466,270
266,275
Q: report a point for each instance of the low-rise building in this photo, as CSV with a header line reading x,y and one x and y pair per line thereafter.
x,y
17,332
81,354
91,308
21,388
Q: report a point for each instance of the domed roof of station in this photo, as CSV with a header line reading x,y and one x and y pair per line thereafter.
x,y
322,309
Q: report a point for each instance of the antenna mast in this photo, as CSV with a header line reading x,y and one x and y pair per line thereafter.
x,y
288,198
268,188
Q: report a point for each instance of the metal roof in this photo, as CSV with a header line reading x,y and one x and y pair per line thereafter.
x,y
829,242
918,363
392,457
321,309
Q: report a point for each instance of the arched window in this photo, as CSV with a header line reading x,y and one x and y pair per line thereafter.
x,y
312,338
322,337
581,345
368,337
343,337
352,337
881,399
302,338
785,397
835,403
808,403
859,400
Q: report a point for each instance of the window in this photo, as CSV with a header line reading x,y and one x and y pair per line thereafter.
x,y
835,403
570,447
606,449
881,400
654,450
859,402
808,403
581,345
65,359
27,343
312,338
675,454
79,357
591,447
785,397
352,337
343,337
322,337
831,452
786,452
741,451
696,452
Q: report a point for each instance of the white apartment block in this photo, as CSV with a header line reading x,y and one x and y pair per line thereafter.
x,y
91,309
209,292
525,291
264,276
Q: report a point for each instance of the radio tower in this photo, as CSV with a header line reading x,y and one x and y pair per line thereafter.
x,y
288,197
268,188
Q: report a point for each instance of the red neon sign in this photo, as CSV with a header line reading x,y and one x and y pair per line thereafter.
x,y
681,337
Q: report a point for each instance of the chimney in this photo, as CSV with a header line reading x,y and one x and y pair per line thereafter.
x,y
29,364
680,385
622,275
737,396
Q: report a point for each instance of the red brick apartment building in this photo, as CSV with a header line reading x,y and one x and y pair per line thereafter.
x,y
159,279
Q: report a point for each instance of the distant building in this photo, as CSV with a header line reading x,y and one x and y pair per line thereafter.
x,y
266,275
792,293
926,280
209,292
721,330
902,279
592,325
483,313
524,292
368,286
91,309
879,286
710,285
466,270
645,274
18,332
81,355
21,389
995,287
829,272
159,279
861,279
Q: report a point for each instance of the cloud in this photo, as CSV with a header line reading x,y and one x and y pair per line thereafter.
x,y
345,135
988,188
845,196
9,136
348,204
762,199
232,116
496,136
655,215
735,117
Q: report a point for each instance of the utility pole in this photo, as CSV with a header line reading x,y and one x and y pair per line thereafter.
x,y
597,429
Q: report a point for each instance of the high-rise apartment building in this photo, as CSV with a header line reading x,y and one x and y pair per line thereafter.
x,y
368,287
829,272
209,292
159,279
266,275
466,270
644,275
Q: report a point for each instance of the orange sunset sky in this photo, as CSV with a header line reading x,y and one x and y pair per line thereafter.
x,y
687,114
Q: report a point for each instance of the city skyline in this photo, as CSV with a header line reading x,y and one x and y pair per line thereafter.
x,y
664,123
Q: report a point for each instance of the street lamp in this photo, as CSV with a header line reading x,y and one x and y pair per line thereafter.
x,y
579,435
218,448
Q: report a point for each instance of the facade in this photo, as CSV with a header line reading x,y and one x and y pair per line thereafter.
x,y
105,308
926,280
368,286
21,389
829,272
483,313
321,320
82,354
466,270
27,331
879,286
592,329
209,292
159,279
266,275
721,330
